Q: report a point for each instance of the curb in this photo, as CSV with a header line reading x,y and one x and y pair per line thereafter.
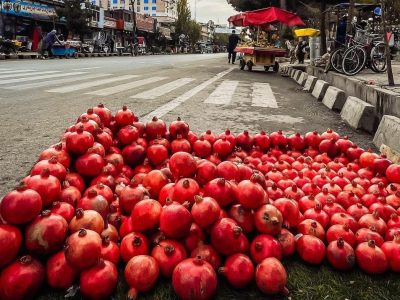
x,y
334,98
359,114
388,133
320,89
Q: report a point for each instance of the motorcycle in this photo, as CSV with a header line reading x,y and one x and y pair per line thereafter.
x,y
8,46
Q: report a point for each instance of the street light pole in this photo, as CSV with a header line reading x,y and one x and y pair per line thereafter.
x,y
133,45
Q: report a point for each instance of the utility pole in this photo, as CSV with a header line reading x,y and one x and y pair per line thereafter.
x,y
387,48
350,17
323,27
133,44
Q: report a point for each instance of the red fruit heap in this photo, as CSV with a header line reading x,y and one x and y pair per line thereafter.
x,y
163,201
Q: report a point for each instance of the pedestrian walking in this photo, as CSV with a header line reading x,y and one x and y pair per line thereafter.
x,y
233,41
48,42
301,51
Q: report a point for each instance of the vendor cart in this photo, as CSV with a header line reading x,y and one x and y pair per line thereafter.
x,y
262,55
64,49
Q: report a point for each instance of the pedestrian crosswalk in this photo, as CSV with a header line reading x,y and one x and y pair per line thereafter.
x,y
88,81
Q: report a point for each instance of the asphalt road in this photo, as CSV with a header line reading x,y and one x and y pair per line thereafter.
x,y
39,99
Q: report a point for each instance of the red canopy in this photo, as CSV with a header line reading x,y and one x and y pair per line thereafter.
x,y
265,16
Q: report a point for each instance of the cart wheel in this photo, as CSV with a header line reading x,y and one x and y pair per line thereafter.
x,y
266,69
76,55
242,64
249,65
276,67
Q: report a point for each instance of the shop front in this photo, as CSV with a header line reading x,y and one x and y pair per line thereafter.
x,y
26,21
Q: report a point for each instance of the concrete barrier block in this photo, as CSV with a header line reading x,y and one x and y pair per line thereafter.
x,y
310,83
388,133
334,98
320,89
391,154
297,75
294,71
302,78
359,114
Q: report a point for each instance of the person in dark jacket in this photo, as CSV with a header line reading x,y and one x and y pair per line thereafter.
x,y
49,41
233,41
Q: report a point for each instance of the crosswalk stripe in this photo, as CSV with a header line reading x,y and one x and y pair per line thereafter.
x,y
85,85
4,69
33,78
223,93
54,82
27,74
14,71
125,86
263,96
90,68
166,108
163,89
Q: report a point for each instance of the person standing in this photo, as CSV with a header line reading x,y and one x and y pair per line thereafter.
x,y
49,41
233,41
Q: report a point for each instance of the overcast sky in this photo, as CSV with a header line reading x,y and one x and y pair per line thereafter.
x,y
217,10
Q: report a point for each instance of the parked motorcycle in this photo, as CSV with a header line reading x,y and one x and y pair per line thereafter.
x,y
8,46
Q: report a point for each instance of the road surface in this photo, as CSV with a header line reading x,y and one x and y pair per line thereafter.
x,y
39,99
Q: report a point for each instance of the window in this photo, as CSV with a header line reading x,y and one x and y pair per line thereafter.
x,y
154,1
154,8
115,1
138,9
146,8
153,15
146,1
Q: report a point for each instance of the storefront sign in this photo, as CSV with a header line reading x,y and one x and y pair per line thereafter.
x,y
128,26
27,9
145,23
110,23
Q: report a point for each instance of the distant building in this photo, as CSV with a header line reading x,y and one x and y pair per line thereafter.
x,y
165,11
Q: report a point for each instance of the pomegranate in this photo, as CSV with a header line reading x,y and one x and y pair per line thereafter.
x,y
264,246
271,277
99,281
55,168
130,196
208,254
341,231
202,148
146,215
88,219
367,234
194,278
287,241
370,258
124,116
244,217
157,154
180,145
134,244
205,211
312,139
57,151
46,234
185,189
10,243
391,249
83,249
195,237
262,141
311,249
76,180
168,254
182,164
141,274
175,220
154,182
374,220
133,155
320,215
238,270
311,227
268,219
245,141
60,275
127,135
96,202
278,139
155,128
79,142
179,127
48,186
340,255
290,211
20,206
110,251
227,237
250,194
344,218
221,190
22,279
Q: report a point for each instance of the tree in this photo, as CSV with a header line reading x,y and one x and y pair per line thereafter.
x,y
76,17
194,32
221,39
182,23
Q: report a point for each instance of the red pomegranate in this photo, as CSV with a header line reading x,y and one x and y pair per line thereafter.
x,y
244,217
57,151
10,243
311,249
290,211
287,241
341,231
195,237
238,270
130,196
205,211
202,148
271,277
262,141
340,255
79,142
278,139
370,258
319,215
367,234
157,154
168,254
311,227
60,275
99,281
133,155
20,206
194,278
96,202
182,164
55,168
250,194
155,128
141,274
227,237
221,190
264,246
175,220
127,135
392,253
208,254
88,219
124,117
179,127
46,234
245,140
146,215
373,220
76,180
154,182
344,218
22,279
312,139
268,219
48,186
185,189
134,244
110,251
83,249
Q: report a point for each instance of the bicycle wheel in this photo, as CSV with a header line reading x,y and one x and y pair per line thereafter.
x,y
337,59
378,58
354,60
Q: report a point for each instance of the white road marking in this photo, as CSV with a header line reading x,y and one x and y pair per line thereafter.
x,y
54,82
223,93
33,78
125,86
85,85
27,74
90,68
163,89
15,71
166,108
263,96
4,69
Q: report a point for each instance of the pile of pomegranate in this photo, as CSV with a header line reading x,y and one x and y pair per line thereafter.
x,y
164,201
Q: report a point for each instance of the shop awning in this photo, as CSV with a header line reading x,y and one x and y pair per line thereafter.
x,y
266,16
306,32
